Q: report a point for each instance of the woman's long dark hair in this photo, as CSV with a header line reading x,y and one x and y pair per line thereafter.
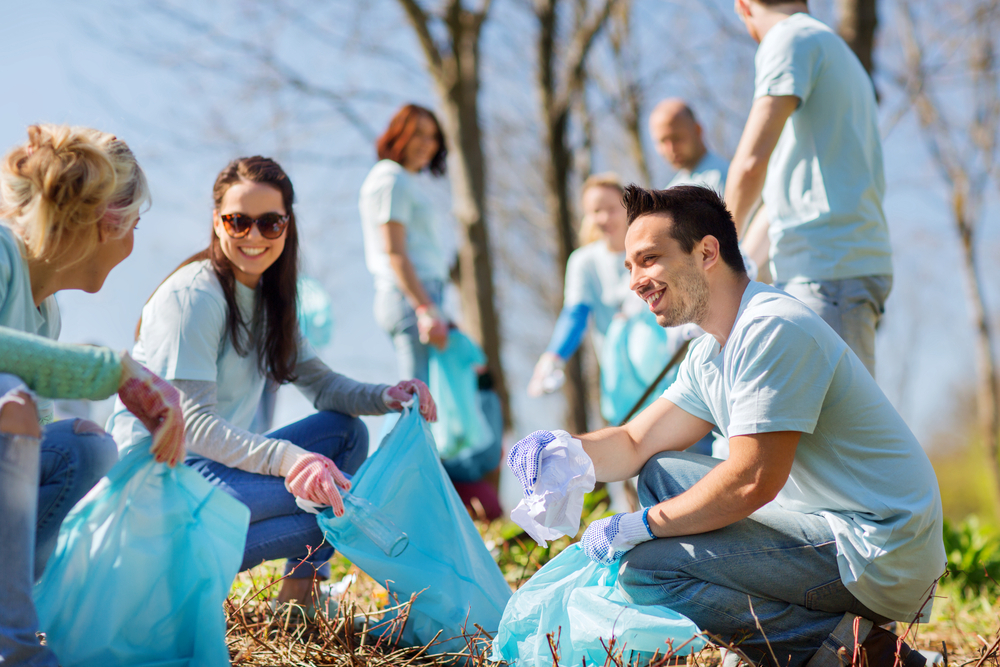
x,y
273,332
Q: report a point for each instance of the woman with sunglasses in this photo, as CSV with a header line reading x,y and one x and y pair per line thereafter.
x,y
218,328
400,232
71,200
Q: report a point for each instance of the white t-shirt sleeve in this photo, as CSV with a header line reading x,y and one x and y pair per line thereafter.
x,y
579,281
780,377
786,64
182,334
685,391
390,201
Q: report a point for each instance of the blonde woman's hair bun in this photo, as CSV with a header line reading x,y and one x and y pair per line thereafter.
x,y
70,182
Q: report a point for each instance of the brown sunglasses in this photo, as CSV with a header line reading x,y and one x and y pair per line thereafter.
x,y
271,225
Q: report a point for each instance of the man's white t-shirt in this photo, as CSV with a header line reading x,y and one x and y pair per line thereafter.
x,y
857,463
711,172
825,182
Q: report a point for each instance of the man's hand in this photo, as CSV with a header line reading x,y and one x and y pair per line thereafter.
x,y
397,396
523,458
607,540
157,404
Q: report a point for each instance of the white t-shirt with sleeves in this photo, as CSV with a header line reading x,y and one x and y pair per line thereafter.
x,y
184,337
710,172
390,193
825,181
857,463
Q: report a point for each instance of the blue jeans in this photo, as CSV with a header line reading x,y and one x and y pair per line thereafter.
x,y
278,528
853,307
40,482
397,318
783,563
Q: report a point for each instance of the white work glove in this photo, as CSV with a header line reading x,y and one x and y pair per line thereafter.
x,y
157,404
555,473
523,458
607,540
548,375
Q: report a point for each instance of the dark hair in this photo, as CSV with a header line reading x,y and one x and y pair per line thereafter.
x,y
274,330
392,143
695,212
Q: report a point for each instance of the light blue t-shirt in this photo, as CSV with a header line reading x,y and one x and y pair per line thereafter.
x,y
597,277
184,337
17,305
392,193
825,184
857,463
710,172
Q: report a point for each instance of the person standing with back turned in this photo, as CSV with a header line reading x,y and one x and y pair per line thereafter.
x,y
811,147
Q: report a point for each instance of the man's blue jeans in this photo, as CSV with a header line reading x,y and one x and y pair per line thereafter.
x,y
278,527
853,307
783,563
40,482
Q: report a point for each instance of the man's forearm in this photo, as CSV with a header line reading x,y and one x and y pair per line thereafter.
x,y
743,187
614,454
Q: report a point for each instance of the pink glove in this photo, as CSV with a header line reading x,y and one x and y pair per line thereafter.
x,y
157,404
432,328
315,477
401,394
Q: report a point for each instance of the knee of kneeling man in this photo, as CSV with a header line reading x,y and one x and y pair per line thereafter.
x,y
20,416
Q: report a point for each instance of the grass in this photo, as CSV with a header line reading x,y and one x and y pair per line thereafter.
x,y
965,627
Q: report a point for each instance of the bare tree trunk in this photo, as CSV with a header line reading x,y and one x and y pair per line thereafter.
x,y
557,92
858,20
455,70
629,99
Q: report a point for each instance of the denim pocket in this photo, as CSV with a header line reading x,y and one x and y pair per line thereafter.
x,y
832,597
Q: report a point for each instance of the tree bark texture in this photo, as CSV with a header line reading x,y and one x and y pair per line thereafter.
x,y
455,69
560,80
858,20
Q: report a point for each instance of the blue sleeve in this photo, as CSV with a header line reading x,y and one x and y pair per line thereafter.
x,y
570,327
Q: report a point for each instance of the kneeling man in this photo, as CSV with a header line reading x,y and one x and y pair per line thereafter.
x,y
825,521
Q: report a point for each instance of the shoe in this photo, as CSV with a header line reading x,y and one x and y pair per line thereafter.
x,y
880,649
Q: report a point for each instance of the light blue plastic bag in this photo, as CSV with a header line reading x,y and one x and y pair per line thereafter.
x,y
635,351
446,562
461,428
141,570
576,600
315,312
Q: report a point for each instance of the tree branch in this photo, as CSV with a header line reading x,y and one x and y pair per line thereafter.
x,y
576,58
420,21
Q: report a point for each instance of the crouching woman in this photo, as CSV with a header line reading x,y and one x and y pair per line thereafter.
x,y
218,328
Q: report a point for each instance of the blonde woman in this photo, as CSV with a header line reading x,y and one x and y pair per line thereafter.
x,y
71,200
596,281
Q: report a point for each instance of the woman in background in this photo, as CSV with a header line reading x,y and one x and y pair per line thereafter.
x,y
400,229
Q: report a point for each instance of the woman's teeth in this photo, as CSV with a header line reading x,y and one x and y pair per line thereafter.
x,y
253,252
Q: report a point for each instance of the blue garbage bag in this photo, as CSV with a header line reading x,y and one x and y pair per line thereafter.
x,y
635,350
469,466
446,563
315,312
142,567
462,429
576,601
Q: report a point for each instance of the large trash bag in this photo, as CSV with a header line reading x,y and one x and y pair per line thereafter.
x,y
471,466
635,350
446,562
461,429
575,600
143,565
315,312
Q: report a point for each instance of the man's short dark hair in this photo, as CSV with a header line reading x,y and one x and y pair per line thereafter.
x,y
695,212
